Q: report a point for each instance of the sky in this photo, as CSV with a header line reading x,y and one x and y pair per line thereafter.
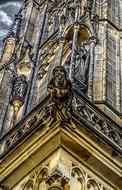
x,y
8,8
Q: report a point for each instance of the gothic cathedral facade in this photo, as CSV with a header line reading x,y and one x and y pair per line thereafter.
x,y
61,97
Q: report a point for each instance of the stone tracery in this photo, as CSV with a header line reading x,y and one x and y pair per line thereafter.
x,y
56,180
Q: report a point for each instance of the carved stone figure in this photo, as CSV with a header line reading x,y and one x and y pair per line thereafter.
x,y
62,22
60,89
71,12
82,63
58,108
43,71
19,87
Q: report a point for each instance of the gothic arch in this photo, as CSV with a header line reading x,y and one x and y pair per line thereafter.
x,y
79,176
78,170
83,35
40,177
29,185
92,184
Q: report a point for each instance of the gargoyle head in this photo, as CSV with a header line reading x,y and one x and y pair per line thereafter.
x,y
59,74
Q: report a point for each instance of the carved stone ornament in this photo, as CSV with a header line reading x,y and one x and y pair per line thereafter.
x,y
18,92
99,123
56,180
82,63
60,89
19,87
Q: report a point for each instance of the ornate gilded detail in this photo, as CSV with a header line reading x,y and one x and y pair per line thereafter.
x,y
42,178
56,180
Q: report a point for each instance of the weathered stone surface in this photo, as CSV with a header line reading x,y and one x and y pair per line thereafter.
x,y
60,59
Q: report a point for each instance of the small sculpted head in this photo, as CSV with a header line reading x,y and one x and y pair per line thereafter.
x,y
59,74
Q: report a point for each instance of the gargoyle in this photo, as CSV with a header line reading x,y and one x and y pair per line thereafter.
x,y
60,89
59,107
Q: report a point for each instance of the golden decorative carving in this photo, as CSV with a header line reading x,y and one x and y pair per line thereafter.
x,y
56,180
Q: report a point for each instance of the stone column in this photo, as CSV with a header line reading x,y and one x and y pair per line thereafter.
x,y
5,91
56,180
26,13
118,79
58,56
74,45
39,30
91,68
8,49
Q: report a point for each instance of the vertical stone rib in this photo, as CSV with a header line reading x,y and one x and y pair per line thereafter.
x,y
105,64
74,43
72,63
5,92
58,55
35,71
91,69
118,74
26,17
120,70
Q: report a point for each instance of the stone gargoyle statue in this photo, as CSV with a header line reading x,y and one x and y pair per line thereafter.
x,y
59,106
60,89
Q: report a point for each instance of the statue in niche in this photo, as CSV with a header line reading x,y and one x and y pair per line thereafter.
x,y
19,87
71,11
51,25
82,58
62,22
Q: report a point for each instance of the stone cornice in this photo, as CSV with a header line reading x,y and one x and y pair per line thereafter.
x,y
44,142
83,111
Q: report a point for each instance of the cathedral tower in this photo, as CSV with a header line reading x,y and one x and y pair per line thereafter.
x,y
61,97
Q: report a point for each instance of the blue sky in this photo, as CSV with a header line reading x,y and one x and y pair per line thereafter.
x,y
7,11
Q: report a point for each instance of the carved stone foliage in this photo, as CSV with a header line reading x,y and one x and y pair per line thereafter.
x,y
43,179
63,14
53,22
20,132
46,55
56,180
48,113
97,122
82,180
19,87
